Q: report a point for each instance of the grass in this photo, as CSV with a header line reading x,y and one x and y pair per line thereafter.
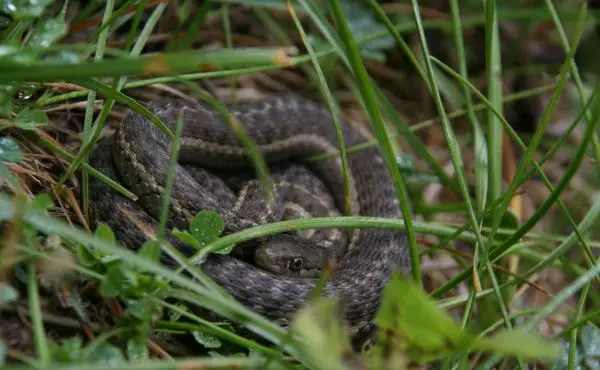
x,y
501,223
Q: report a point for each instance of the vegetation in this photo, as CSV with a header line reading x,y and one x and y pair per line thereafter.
x,y
486,113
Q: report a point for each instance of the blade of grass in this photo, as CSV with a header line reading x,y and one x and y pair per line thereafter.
x,y
90,105
333,108
524,229
166,196
481,154
378,125
150,65
520,180
574,70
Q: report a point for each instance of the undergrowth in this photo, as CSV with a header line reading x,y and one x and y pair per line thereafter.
x,y
501,209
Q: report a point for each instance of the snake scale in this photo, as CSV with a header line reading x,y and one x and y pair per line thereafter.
x,y
285,128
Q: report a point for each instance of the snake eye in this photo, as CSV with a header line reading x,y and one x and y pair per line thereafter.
x,y
297,264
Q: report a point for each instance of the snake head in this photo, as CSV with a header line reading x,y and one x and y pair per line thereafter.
x,y
291,256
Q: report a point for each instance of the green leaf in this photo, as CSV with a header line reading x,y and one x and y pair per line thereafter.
x,y
206,227
10,151
23,9
176,315
104,232
115,281
187,238
47,33
107,354
6,94
587,351
29,119
144,309
7,294
137,349
151,250
11,180
207,340
320,326
85,256
42,202
362,22
69,351
428,332
516,343
590,346
3,351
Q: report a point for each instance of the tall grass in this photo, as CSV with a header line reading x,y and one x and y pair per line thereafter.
x,y
35,55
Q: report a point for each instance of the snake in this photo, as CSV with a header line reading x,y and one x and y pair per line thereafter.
x,y
287,129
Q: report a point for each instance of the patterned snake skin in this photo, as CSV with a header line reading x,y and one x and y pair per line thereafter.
x,y
284,128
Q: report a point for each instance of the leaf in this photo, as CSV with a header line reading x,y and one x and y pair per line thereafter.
x,y
107,354
29,119
176,315
187,238
85,257
11,180
427,332
590,343
319,324
8,294
150,250
47,33
104,232
10,151
42,202
408,313
144,309
69,351
115,281
225,250
516,343
23,9
587,351
3,351
137,349
206,227
362,22
206,340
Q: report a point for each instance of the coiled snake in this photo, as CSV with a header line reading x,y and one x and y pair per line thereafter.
x,y
284,128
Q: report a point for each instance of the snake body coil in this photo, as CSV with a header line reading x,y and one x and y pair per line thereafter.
x,y
284,128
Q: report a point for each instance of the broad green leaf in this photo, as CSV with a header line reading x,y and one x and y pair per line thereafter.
x,y
116,280
320,327
23,9
151,250
137,349
206,340
144,309
42,202
85,256
587,351
428,332
206,227
8,294
107,354
69,351
48,32
10,179
29,119
3,351
10,151
516,343
187,238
